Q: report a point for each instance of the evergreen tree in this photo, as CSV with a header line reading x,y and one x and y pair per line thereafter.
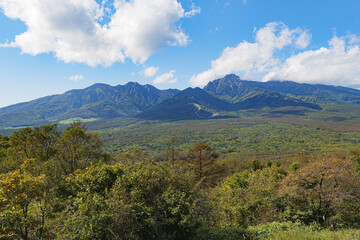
x,y
78,149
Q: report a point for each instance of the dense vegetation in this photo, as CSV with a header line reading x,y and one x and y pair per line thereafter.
x,y
63,185
238,137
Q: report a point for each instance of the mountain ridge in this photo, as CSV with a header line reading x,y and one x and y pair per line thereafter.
x,y
316,93
218,98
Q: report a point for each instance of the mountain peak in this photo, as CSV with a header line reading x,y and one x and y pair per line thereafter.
x,y
231,77
228,85
132,84
228,80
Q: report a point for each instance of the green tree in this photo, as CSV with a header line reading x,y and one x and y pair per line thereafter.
x,y
45,142
22,143
4,145
78,149
150,201
39,143
21,204
248,198
85,212
5,166
133,156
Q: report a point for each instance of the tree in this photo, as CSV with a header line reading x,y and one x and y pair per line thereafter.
x,y
172,154
39,143
46,138
133,156
22,143
4,145
21,196
78,149
247,198
320,189
83,199
151,201
201,159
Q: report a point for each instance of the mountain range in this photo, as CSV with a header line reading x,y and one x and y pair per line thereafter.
x,y
219,98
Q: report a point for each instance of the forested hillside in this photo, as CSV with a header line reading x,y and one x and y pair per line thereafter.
x,y
100,101
226,97
63,185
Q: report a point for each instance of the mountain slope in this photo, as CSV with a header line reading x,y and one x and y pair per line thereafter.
x,y
317,93
97,101
195,103
232,88
260,99
222,97
192,103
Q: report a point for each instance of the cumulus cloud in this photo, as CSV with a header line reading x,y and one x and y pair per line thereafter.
x,y
150,71
257,57
166,78
73,29
337,64
76,77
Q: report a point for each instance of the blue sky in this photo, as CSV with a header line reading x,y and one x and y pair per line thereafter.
x,y
51,46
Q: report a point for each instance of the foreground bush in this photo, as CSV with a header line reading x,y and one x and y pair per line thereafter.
x,y
151,202
247,198
144,201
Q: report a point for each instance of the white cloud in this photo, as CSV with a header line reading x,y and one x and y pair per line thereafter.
x,y
353,39
337,65
166,78
76,77
303,40
257,57
72,29
150,71
193,12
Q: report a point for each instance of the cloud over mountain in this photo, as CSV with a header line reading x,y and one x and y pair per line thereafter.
x,y
337,64
256,57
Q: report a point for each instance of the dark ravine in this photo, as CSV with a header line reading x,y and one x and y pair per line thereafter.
x,y
217,98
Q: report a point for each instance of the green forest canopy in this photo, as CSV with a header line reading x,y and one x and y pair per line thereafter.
x,y
62,185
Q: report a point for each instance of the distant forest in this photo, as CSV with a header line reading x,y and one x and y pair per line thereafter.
x,y
63,185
